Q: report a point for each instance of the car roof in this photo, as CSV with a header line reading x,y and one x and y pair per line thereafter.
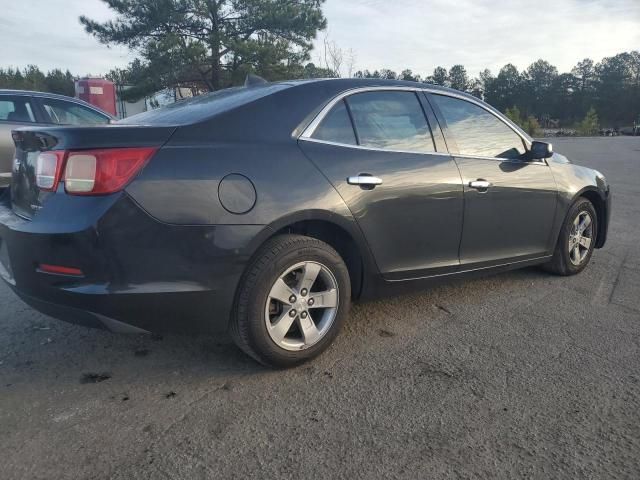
x,y
347,83
55,96
206,106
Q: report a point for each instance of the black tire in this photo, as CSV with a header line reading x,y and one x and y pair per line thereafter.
x,y
248,326
560,263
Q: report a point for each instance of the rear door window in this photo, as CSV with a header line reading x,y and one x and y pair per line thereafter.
x,y
477,132
70,113
16,109
336,127
391,120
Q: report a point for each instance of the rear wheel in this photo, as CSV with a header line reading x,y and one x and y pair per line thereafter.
x,y
292,301
577,240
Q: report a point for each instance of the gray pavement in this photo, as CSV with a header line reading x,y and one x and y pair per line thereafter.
x,y
519,375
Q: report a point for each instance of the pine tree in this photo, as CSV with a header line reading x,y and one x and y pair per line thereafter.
x,y
209,44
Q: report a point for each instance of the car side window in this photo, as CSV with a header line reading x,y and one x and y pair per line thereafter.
x,y
391,121
69,113
478,132
16,108
336,126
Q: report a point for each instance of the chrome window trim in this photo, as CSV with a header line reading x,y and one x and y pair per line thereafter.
x,y
447,154
500,159
371,149
312,127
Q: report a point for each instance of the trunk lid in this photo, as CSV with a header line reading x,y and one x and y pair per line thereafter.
x,y
26,198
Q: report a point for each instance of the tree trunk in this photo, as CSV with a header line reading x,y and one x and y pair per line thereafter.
x,y
214,44
215,72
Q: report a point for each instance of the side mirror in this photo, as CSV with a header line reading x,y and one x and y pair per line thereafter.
x,y
540,150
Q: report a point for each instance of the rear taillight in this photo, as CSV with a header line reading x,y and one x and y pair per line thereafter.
x,y
90,172
98,172
48,170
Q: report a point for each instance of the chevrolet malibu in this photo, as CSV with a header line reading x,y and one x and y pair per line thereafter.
x,y
264,210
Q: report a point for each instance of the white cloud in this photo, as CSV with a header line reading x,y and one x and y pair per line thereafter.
x,y
396,34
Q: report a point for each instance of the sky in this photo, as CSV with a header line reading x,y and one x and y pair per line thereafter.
x,y
395,34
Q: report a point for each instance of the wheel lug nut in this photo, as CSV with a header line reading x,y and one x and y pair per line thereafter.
x,y
304,314
304,292
293,313
310,302
292,299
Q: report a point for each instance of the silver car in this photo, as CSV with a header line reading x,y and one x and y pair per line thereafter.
x,y
20,108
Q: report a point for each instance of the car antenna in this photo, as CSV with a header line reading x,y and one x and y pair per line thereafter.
x,y
253,80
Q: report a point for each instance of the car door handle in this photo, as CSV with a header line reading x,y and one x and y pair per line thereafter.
x,y
364,181
480,185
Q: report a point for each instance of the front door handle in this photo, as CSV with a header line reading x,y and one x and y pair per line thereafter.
x,y
480,185
365,181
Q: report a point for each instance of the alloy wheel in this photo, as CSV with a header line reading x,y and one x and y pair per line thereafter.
x,y
580,238
302,306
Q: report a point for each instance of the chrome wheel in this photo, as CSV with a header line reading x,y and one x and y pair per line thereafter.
x,y
580,238
301,306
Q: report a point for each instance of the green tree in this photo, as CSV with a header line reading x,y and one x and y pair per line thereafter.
x,y
409,76
617,90
528,124
208,44
589,125
479,85
538,82
513,114
458,78
387,74
11,78
60,82
584,72
505,89
440,77
32,78
532,127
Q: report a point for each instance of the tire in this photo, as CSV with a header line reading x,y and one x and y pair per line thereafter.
x,y
564,260
278,275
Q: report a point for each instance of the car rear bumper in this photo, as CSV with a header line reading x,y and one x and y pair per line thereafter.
x,y
139,275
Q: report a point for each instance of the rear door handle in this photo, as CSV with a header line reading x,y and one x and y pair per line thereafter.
x,y
364,181
480,185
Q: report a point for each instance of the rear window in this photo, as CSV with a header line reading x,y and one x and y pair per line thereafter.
x,y
336,127
202,107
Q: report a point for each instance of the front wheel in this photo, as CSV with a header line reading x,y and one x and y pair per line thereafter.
x,y
292,301
577,240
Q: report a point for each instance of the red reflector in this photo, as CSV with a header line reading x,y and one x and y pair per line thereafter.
x,y
99,172
59,270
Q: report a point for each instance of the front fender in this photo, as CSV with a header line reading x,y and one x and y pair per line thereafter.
x,y
574,182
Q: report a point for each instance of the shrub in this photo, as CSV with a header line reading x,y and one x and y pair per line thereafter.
x,y
589,125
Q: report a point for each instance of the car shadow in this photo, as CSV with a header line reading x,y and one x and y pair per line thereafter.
x,y
36,348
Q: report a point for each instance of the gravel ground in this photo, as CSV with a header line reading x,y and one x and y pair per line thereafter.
x,y
519,375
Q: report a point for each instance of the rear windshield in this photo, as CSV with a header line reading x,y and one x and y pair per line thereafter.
x,y
200,108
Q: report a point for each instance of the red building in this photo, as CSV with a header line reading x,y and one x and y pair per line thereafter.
x,y
98,92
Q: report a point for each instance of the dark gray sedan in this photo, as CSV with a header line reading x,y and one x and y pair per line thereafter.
x,y
19,108
263,211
